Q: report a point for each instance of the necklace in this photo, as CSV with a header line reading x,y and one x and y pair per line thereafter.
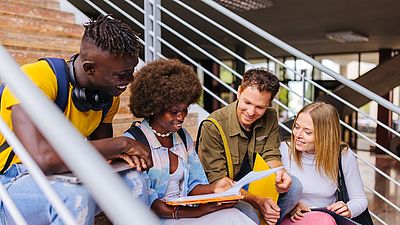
x,y
160,134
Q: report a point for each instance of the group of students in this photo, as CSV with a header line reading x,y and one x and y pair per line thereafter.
x,y
161,93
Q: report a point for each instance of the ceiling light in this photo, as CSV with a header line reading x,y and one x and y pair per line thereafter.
x,y
246,5
347,36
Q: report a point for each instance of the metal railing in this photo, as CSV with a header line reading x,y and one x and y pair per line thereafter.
x,y
151,37
62,135
154,26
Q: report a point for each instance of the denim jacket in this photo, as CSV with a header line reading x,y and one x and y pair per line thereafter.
x,y
159,173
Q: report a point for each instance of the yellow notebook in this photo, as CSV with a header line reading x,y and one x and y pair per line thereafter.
x,y
264,187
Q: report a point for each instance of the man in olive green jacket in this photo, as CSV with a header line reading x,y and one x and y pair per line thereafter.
x,y
250,127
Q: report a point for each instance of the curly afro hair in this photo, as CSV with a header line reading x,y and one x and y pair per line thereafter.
x,y
162,84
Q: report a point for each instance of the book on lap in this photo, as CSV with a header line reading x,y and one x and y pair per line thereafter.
x,y
231,194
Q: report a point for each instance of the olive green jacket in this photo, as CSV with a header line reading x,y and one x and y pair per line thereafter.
x,y
264,140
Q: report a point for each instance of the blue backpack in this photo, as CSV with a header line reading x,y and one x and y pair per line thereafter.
x,y
60,69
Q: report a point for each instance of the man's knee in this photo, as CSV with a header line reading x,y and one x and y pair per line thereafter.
x,y
248,210
78,200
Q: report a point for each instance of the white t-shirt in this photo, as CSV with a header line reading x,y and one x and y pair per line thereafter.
x,y
318,189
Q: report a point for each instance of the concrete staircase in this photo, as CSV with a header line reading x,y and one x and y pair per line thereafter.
x,y
31,29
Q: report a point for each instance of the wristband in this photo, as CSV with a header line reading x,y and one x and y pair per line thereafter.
x,y
175,212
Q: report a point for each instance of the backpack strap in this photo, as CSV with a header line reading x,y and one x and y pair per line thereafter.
x,y
182,134
138,134
60,69
8,161
228,156
105,111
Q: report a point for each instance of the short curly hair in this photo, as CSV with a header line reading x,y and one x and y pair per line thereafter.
x,y
162,84
262,79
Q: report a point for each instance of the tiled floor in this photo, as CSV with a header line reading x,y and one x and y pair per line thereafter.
x,y
386,188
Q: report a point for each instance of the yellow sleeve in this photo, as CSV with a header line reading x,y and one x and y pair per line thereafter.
x,y
112,111
42,76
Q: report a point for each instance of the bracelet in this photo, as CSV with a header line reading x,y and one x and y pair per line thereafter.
x,y
175,212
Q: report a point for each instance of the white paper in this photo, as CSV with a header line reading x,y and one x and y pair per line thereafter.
x,y
233,191
251,177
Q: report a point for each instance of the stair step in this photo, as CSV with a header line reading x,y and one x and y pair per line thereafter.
x,y
18,23
26,56
33,11
39,42
47,4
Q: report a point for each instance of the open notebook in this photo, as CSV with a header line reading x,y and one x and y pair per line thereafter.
x,y
229,195
69,177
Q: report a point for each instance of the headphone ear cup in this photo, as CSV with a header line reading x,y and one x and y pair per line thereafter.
x,y
100,100
80,100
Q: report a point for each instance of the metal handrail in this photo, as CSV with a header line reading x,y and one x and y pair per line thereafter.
x,y
124,13
197,31
37,174
308,101
360,89
11,207
61,135
355,131
200,49
377,218
198,65
278,62
383,198
135,6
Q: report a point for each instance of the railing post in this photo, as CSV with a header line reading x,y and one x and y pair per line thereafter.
x,y
303,85
152,29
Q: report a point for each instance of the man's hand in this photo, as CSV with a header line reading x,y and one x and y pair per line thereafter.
x,y
282,181
298,212
269,210
138,155
340,208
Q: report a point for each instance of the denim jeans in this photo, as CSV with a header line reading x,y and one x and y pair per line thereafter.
x,y
289,200
36,209
286,202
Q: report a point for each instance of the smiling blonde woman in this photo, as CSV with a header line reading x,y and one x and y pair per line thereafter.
x,y
313,157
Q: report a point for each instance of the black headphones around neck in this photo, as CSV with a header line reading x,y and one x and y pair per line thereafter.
x,y
84,99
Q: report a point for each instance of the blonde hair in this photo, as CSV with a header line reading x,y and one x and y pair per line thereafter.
x,y
327,139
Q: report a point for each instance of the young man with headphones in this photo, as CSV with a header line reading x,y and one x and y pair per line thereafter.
x,y
97,76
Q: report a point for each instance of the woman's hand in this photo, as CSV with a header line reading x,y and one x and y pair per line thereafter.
x,y
298,212
222,185
340,208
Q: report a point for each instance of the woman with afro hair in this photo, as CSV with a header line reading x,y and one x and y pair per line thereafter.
x,y
161,94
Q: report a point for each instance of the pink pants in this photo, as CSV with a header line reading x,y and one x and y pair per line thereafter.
x,y
312,218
